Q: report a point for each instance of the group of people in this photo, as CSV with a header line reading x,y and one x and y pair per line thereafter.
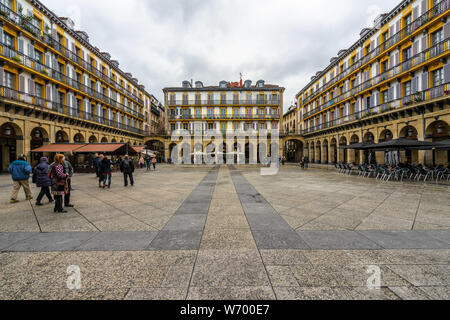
x,y
148,161
304,162
104,169
55,177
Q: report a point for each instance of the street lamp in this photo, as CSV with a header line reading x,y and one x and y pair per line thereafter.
x,y
440,129
37,134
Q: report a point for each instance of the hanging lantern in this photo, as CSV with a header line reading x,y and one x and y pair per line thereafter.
x,y
410,132
8,131
77,139
37,134
440,129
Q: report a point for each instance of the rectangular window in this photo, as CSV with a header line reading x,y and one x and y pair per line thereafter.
x,y
407,89
384,96
38,90
10,80
223,99
198,99
437,37
407,54
438,77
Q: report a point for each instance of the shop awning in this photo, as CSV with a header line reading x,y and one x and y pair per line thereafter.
x,y
103,147
137,149
59,148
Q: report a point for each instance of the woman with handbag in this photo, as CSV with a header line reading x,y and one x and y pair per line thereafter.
x,y
59,182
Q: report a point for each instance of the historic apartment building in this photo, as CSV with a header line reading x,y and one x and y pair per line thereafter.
x,y
56,87
290,120
227,107
393,82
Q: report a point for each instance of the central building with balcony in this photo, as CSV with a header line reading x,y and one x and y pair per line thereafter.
x,y
228,107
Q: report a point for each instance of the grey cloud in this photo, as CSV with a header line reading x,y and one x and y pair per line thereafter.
x,y
163,42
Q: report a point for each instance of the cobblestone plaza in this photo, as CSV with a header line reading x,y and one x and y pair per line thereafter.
x,y
226,232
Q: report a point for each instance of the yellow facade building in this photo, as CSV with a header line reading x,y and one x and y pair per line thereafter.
x,y
394,82
56,87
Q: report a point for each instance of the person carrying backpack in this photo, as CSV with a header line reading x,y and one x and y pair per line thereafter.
x,y
41,179
20,171
127,168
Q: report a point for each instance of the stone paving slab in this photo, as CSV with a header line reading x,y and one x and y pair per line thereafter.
x,y
119,241
278,239
337,240
176,240
49,242
405,239
8,239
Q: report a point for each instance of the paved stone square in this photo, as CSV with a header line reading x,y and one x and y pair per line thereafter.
x,y
226,232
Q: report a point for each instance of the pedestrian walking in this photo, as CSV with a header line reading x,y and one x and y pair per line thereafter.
x,y
141,162
106,168
154,163
68,170
20,171
97,165
127,168
59,182
99,171
306,161
42,180
148,160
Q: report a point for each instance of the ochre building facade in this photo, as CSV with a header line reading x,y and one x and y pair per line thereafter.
x,y
394,82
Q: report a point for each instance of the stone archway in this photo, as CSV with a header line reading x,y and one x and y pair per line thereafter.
x,y
104,140
10,133
409,132
318,156
293,150
437,131
38,137
333,151
343,153
324,159
93,139
79,138
61,137
355,155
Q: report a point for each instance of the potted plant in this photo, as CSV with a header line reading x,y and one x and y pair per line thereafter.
x,y
44,71
17,59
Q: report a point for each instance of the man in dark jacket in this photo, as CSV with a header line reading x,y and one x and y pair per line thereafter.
x,y
68,169
97,165
41,179
127,168
20,171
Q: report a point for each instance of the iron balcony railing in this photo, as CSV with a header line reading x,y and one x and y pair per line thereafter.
x,y
225,117
418,97
403,34
24,22
44,104
396,71
24,60
257,102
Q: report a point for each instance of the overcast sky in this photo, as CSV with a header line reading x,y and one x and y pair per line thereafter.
x,y
163,42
